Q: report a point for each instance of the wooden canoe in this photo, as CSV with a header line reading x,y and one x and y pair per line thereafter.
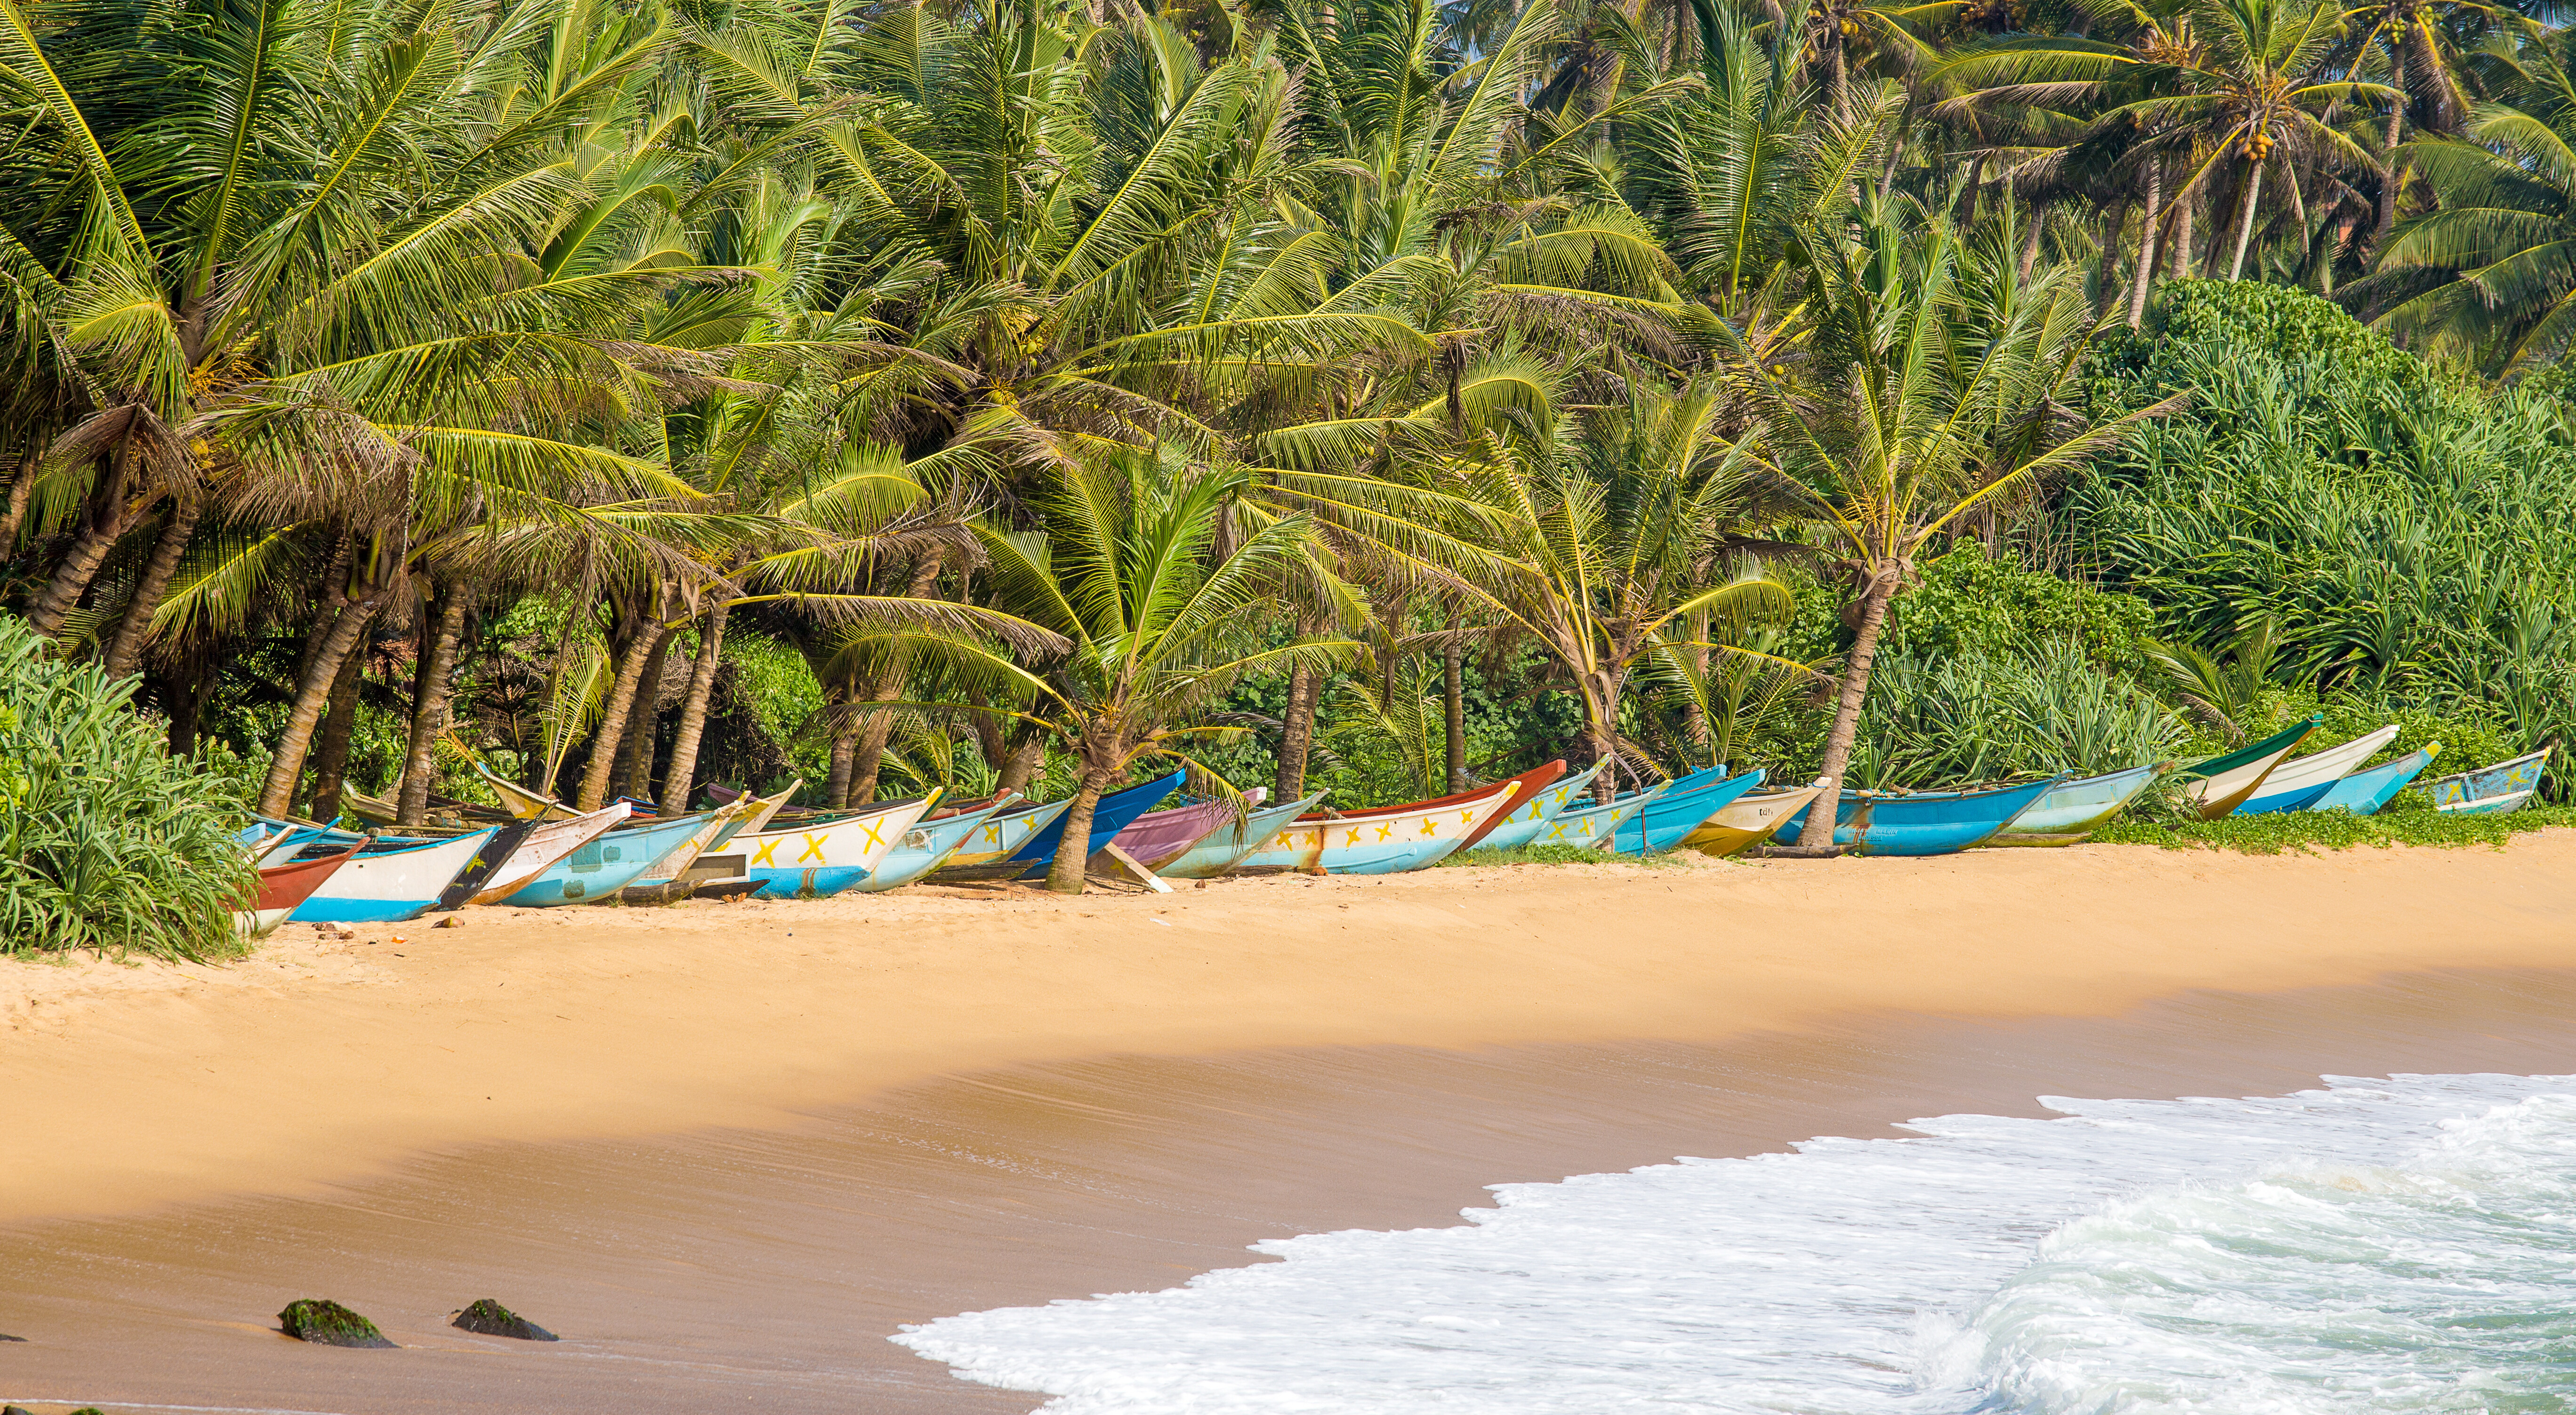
x,y
522,802
2300,782
928,845
282,888
992,845
1593,827
388,886
2489,791
2364,792
2223,783
1679,809
1928,822
2076,808
1225,847
1748,821
1392,839
1523,826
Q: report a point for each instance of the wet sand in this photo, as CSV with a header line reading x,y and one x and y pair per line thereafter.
x,y
751,1240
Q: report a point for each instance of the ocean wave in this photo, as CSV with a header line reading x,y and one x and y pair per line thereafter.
x,y
2406,1245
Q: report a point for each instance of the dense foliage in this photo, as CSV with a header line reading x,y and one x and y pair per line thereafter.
x,y
107,842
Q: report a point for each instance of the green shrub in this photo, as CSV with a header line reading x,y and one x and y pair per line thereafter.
x,y
106,841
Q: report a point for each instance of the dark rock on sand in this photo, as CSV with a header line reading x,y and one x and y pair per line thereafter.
x,y
327,1323
4,1336
489,1318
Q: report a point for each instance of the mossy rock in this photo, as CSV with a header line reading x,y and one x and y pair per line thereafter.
x,y
489,1318
327,1323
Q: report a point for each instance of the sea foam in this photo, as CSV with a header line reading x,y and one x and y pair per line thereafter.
x,y
2407,1245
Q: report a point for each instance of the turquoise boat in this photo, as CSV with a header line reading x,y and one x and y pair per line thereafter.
x,y
2489,791
606,865
928,845
2364,792
2076,809
1925,822
984,852
1591,827
1393,839
1523,826
1225,847
1680,808
1109,815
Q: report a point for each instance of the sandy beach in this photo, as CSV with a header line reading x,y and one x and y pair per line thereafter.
x,y
728,1148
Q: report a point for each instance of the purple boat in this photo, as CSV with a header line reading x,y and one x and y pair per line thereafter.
x,y
1157,838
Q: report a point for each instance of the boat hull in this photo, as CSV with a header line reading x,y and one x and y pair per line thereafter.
x,y
283,889
1927,823
2364,792
2489,791
1526,825
1593,827
1748,822
390,887
1110,814
1380,842
540,849
605,865
822,859
2221,784
1157,838
2076,809
2300,783
924,848
1227,845
998,840
1668,818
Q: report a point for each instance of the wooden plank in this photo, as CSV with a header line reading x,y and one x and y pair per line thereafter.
x,y
1128,866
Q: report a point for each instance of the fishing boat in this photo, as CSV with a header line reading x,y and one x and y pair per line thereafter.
x,y
928,845
390,885
1224,848
818,859
283,888
541,845
2489,791
2221,784
1522,827
1157,838
2076,809
1592,827
1670,817
1110,814
1749,820
1000,837
520,801
672,877
2364,792
1394,838
2298,782
610,862
1927,822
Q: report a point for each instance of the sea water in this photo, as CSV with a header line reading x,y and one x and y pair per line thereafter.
x,y
2375,1246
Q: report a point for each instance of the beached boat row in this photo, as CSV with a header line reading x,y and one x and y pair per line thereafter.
x,y
538,853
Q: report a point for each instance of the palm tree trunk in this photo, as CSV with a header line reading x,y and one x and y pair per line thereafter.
x,y
105,524
432,689
184,698
2388,150
1453,708
1072,853
2112,222
845,754
22,493
136,627
312,693
682,778
1296,732
644,724
331,758
2245,227
2147,245
1818,832
1022,766
596,778
868,753
2183,245
2030,239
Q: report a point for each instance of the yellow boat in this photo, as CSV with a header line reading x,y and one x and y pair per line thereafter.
x,y
1748,820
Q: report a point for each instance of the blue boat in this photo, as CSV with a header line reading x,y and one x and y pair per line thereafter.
x,y
1679,809
2364,792
388,886
927,846
1523,826
1591,827
1109,815
1925,822
606,865
2489,791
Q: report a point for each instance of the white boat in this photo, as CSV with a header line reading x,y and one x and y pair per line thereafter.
x,y
2298,781
539,849
2221,784
391,886
822,858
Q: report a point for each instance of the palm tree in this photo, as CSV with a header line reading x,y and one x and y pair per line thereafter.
x,y
1935,385
1162,611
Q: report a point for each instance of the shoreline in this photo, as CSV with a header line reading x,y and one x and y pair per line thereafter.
x,y
319,1060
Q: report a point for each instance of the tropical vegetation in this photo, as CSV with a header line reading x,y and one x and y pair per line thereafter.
x,y
622,396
